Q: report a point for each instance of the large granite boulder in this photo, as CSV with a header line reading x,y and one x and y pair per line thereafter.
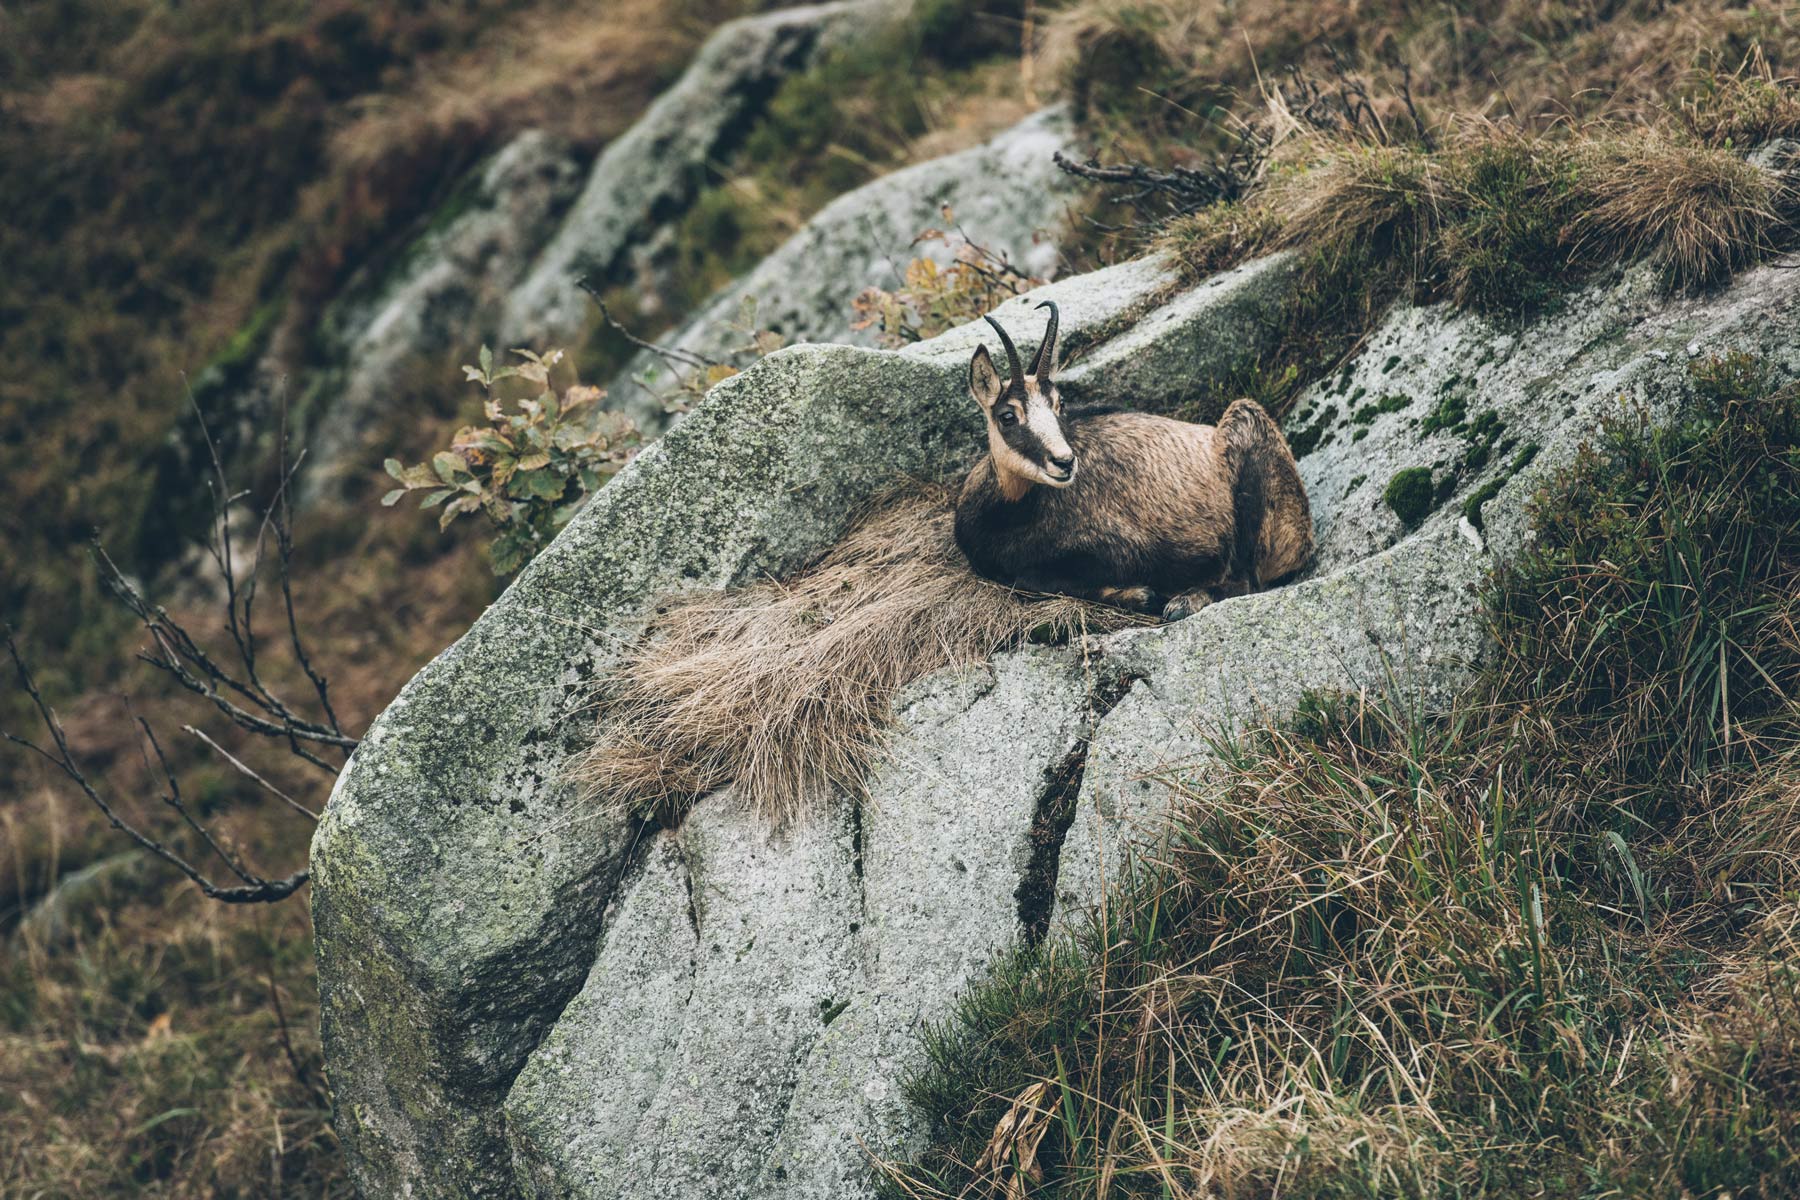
x,y
523,995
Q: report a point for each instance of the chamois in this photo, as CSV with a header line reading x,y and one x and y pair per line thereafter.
x,y
1126,507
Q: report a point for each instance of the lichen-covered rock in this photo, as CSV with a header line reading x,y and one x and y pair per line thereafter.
x,y
521,994
1007,194
823,950
1488,412
497,262
649,174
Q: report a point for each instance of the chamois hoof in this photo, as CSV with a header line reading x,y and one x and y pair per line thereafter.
x,y
1185,605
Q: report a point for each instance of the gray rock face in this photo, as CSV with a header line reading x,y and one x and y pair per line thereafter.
x,y
460,887
450,279
1007,194
652,171
522,996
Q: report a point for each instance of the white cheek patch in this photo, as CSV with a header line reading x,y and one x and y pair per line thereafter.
x,y
1041,420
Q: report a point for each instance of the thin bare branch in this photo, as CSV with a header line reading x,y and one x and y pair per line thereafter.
x,y
671,355
245,770
255,890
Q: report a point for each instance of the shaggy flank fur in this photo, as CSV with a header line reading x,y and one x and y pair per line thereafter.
x,y
784,689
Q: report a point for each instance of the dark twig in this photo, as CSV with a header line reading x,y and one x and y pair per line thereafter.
x,y
1412,110
180,657
172,798
1183,189
238,691
255,890
671,355
302,1075
242,769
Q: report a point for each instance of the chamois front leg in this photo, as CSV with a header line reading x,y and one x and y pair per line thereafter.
x,y
1137,598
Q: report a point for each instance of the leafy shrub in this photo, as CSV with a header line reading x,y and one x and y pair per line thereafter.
x,y
528,470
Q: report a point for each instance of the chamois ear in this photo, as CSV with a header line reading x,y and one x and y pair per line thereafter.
x,y
985,383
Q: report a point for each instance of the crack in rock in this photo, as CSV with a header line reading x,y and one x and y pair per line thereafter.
x,y
1055,812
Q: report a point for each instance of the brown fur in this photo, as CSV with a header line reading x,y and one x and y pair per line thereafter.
x,y
1158,508
783,690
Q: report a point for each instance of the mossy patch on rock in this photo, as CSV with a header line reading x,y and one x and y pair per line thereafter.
x,y
1409,494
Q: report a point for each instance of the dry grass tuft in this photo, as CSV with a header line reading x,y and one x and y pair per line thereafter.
x,y
1748,107
1697,211
784,689
1389,200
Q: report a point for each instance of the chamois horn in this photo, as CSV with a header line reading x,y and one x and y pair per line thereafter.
x,y
1045,362
1012,353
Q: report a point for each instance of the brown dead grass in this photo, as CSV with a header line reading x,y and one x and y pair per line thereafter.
x,y
1387,199
1697,211
784,689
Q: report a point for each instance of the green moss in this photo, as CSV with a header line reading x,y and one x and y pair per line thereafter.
x,y
1483,433
1409,494
246,345
1313,436
1390,403
1471,509
1452,413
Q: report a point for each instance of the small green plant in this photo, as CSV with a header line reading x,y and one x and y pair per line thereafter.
x,y
529,469
935,297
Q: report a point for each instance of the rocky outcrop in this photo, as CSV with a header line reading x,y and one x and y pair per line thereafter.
x,y
1007,195
522,995
444,288
498,260
651,173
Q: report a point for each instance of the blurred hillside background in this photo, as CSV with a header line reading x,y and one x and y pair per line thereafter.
x,y
196,192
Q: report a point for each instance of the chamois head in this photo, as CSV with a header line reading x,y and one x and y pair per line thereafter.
x,y
1024,414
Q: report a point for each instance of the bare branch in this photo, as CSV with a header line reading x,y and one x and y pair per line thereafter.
x,y
671,355
237,691
258,779
180,657
255,890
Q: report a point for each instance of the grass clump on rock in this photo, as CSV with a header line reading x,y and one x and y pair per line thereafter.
x,y
1503,222
784,689
1541,943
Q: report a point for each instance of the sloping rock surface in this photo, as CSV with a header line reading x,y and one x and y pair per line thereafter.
x,y
1007,196
650,173
499,261
450,280
523,996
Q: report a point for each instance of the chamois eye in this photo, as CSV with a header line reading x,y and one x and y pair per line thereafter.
x,y
1008,417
